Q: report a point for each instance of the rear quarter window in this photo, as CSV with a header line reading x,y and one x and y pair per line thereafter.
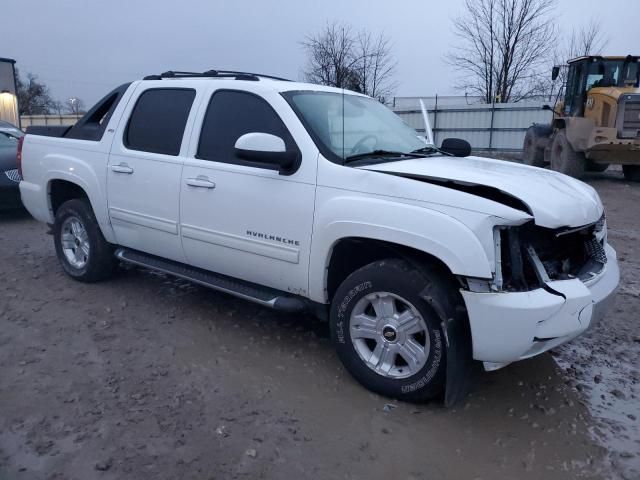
x,y
94,123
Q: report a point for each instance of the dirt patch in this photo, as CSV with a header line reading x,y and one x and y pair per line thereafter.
x,y
147,377
604,364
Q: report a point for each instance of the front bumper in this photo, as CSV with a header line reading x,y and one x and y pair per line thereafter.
x,y
511,326
604,145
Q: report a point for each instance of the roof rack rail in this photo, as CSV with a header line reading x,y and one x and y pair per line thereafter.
x,y
214,74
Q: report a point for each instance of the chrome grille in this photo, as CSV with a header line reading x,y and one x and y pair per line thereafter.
x,y
13,175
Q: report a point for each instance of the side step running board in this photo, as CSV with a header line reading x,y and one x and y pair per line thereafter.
x,y
266,296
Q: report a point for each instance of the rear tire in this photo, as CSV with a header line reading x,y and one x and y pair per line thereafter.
x,y
631,172
533,153
564,158
80,246
387,327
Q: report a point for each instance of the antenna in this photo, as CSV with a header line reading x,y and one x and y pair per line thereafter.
x,y
428,133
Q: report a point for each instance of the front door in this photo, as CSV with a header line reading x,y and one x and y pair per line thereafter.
x,y
241,219
143,176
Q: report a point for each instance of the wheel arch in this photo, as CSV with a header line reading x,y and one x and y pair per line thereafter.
x,y
349,254
60,191
454,320
62,187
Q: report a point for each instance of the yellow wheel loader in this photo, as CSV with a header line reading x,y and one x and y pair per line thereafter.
x,y
596,124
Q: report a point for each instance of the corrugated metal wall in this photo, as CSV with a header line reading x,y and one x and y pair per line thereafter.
x,y
51,120
485,127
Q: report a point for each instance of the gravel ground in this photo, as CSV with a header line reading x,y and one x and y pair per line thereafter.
x,y
604,366
147,377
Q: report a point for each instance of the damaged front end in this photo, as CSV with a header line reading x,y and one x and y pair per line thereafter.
x,y
549,286
529,256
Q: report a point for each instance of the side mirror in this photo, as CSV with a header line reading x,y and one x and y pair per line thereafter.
x,y
456,147
555,71
267,149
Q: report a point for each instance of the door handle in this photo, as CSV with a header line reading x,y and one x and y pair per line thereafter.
x,y
200,181
121,168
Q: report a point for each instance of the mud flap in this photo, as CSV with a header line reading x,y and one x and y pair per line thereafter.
x,y
460,364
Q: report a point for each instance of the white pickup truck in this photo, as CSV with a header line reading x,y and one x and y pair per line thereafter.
x,y
425,260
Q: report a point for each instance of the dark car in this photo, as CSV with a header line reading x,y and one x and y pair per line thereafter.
x,y
9,176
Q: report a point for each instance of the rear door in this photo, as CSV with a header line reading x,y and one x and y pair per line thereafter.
x,y
239,218
145,165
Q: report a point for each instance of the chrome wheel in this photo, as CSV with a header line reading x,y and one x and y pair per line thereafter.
x,y
389,335
75,242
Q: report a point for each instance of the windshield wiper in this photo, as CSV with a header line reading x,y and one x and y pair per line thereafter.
x,y
381,153
430,150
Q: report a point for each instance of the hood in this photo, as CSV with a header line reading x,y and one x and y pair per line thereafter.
x,y
614,92
555,200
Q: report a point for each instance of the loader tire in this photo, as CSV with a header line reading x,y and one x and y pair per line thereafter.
x,y
564,158
532,151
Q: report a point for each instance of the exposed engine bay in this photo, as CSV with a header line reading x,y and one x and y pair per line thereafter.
x,y
528,256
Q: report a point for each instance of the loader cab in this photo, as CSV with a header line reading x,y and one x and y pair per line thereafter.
x,y
585,73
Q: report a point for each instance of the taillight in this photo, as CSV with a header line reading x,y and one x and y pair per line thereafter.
x,y
19,156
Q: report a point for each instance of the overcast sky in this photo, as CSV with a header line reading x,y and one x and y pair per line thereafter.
x,y
84,48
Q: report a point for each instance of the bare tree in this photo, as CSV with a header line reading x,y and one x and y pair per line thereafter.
x,y
587,40
375,67
75,106
330,56
58,107
33,96
503,46
340,57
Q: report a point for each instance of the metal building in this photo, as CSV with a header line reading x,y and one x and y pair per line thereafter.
x,y
8,92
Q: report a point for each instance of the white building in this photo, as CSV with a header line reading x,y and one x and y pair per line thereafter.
x,y
8,92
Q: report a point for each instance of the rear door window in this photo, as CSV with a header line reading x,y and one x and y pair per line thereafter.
x,y
158,120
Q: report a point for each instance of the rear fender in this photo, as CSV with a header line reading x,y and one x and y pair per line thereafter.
x,y
78,172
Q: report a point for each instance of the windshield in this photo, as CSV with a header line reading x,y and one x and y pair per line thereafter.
x,y
612,73
347,125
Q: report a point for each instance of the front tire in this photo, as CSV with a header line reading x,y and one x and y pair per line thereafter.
x,y
81,249
387,327
564,158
